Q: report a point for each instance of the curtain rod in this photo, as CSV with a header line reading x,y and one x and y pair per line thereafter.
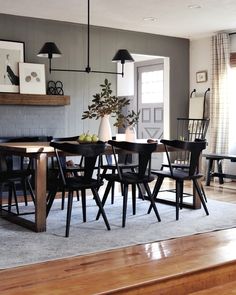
x,y
234,33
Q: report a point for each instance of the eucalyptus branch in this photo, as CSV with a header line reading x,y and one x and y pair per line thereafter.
x,y
105,103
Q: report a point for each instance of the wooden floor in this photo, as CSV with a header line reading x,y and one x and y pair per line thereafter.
x,y
198,264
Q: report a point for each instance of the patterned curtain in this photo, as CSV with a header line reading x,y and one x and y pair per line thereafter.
x,y
219,101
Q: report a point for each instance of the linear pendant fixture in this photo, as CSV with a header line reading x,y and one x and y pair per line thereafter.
x,y
50,50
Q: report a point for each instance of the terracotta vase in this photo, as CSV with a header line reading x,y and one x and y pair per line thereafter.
x,y
130,133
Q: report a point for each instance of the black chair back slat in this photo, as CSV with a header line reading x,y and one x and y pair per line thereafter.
x,y
89,152
144,151
194,148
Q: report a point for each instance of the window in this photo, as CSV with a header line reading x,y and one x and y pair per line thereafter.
x,y
152,87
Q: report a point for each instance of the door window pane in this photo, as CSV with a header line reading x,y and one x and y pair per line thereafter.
x,y
152,86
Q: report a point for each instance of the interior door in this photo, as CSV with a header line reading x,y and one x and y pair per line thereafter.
x,y
151,104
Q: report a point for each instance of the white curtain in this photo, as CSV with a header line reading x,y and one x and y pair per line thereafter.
x,y
219,101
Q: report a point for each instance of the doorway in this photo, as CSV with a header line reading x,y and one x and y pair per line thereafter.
x,y
150,78
157,112
150,100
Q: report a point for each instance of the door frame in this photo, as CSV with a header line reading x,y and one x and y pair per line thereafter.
x,y
166,102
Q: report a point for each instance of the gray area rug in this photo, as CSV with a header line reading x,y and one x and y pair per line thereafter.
x,y
20,246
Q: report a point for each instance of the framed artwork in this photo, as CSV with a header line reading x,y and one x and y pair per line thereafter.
x,y
201,76
32,78
11,53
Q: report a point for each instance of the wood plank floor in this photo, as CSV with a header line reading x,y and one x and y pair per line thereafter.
x,y
186,265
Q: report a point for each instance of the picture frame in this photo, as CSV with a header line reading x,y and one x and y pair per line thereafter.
x,y
11,53
201,76
32,78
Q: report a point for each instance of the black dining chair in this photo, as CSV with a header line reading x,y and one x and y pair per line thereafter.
x,y
71,168
91,154
19,177
140,177
23,166
191,172
108,165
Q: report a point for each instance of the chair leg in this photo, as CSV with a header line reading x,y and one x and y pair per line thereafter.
x,y
23,183
153,205
13,191
113,189
200,195
125,199
203,192
51,196
100,206
69,209
30,190
179,197
180,193
106,193
134,198
141,196
156,190
83,200
77,194
63,199
9,203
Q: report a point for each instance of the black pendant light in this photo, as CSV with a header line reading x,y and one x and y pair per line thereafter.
x,y
50,50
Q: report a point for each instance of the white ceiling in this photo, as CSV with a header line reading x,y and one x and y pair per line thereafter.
x,y
174,17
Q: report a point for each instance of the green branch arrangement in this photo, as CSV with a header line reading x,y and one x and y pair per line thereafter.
x,y
105,103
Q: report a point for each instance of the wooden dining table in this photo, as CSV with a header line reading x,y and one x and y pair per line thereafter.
x,y
40,152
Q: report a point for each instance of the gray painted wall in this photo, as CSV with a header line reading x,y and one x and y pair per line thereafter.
x,y
71,40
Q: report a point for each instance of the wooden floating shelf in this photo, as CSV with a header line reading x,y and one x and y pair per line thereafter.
x,y
33,99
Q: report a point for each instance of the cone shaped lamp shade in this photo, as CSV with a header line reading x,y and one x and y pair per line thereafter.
x,y
123,56
49,50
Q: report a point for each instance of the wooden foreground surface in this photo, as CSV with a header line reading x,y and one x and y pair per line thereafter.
x,y
198,264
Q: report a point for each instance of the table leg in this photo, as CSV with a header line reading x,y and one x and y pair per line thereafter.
x,y
220,171
40,192
196,198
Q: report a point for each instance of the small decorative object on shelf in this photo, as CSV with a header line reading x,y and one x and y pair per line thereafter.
x,y
55,88
32,78
105,104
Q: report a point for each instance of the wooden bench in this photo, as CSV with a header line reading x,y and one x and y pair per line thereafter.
x,y
219,159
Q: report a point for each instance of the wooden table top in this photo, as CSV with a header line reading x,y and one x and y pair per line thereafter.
x,y
26,147
42,147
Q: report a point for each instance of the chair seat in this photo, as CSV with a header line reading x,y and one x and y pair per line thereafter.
x,y
14,175
77,183
178,174
129,178
121,165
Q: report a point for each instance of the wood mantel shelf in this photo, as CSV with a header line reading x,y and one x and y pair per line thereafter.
x,y
33,99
